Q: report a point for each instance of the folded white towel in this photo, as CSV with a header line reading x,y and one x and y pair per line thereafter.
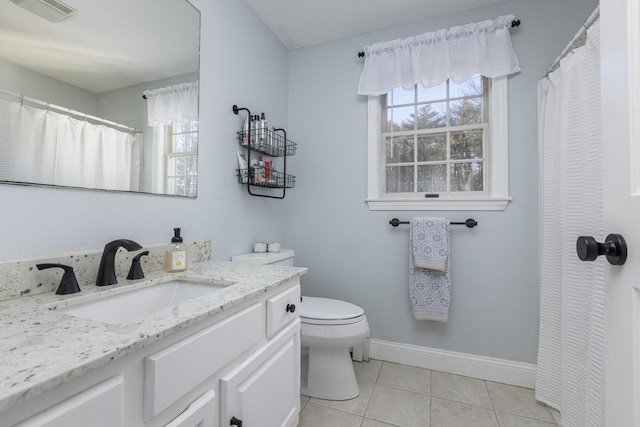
x,y
429,268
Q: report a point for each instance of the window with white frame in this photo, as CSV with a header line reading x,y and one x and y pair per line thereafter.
x,y
181,171
440,148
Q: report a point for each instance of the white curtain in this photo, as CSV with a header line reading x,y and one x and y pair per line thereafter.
x,y
570,374
431,58
45,147
177,103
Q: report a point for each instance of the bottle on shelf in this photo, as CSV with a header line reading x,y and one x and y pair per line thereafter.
x,y
254,131
245,131
263,131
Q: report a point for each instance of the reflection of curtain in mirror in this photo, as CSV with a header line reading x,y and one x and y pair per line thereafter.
x,y
165,107
46,147
177,103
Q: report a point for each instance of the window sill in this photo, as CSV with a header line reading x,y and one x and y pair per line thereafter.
x,y
457,204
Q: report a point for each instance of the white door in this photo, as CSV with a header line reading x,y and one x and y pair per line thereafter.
x,y
620,59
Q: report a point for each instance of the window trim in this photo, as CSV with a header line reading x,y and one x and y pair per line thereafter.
x,y
497,177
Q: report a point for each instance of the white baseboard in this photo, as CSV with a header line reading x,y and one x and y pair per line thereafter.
x,y
482,367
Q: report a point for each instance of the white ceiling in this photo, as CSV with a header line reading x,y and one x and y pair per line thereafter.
x,y
300,23
108,45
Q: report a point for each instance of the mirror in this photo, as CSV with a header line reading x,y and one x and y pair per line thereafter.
x,y
79,83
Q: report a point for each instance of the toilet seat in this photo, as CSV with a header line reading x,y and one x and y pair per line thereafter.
x,y
327,311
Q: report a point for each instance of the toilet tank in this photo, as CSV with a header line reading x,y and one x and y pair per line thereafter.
x,y
284,257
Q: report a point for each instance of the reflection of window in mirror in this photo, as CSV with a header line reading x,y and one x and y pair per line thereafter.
x,y
181,158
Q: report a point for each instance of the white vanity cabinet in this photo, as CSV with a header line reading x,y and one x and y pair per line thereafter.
x,y
243,362
179,368
99,406
264,390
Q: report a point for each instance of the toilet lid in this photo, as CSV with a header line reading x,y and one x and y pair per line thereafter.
x,y
328,309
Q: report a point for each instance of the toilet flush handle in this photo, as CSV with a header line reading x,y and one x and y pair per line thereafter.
x,y
291,308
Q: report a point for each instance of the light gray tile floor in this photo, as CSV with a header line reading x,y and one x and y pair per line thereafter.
x,y
393,395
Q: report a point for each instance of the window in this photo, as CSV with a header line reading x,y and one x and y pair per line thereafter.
x,y
441,148
182,158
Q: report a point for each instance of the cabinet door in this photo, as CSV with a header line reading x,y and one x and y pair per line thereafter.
x,y
176,370
264,391
99,406
281,310
201,413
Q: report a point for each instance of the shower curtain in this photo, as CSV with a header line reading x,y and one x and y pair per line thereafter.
x,y
45,147
570,374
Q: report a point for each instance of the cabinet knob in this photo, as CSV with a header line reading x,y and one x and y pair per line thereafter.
x,y
236,422
291,308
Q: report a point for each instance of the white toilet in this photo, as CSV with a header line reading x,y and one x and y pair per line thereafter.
x,y
329,329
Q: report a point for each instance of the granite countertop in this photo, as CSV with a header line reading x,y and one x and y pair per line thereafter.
x,y
42,348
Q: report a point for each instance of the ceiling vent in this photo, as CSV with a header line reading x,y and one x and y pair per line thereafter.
x,y
51,10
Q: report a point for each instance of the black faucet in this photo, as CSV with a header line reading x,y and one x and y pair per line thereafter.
x,y
107,270
69,283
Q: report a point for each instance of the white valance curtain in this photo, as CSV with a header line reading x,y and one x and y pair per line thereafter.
x,y
46,147
431,58
570,370
177,103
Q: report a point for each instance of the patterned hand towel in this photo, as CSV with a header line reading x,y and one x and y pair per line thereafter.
x,y
429,268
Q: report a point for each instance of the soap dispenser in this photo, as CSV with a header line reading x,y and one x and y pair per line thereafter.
x,y
176,255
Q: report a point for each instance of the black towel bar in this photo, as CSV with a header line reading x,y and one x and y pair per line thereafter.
x,y
469,223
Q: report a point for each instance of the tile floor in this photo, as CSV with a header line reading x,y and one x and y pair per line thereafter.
x,y
404,396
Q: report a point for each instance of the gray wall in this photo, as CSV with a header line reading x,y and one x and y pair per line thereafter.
x,y
39,222
354,254
22,81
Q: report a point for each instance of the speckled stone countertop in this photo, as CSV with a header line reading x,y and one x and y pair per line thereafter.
x,y
42,348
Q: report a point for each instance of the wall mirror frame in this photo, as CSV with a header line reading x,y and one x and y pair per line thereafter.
x,y
86,75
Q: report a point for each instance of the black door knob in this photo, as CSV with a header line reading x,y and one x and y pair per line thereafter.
x,y
291,308
614,248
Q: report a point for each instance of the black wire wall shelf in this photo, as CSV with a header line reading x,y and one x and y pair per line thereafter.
x,y
265,178
272,142
268,142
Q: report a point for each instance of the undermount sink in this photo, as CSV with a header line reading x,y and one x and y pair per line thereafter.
x,y
130,305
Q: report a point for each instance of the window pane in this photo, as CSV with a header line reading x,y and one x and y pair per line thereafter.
x,y
467,176
181,127
179,166
466,111
432,147
400,96
432,115
466,145
432,93
399,149
191,164
432,178
191,186
184,127
181,141
400,118
473,86
399,179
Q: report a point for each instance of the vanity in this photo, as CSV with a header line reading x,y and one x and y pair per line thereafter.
x,y
228,357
